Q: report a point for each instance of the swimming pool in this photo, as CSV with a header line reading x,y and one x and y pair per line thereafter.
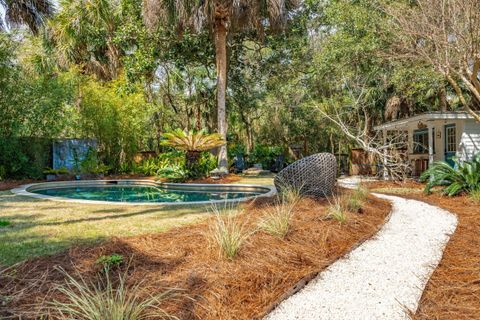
x,y
141,192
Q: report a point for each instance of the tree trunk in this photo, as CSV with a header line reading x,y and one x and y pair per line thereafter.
x,y
221,57
443,99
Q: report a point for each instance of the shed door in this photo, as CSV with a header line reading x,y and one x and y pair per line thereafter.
x,y
450,143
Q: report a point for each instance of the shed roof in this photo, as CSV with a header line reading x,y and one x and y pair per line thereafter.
x,y
428,116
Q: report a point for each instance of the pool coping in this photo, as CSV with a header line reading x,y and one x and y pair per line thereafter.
x,y
23,190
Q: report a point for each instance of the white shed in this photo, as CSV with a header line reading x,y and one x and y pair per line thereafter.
x,y
435,136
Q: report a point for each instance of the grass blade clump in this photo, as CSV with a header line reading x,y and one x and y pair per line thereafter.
x,y
475,196
277,220
108,300
336,209
355,200
227,233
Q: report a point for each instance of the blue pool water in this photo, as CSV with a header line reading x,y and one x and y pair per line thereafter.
x,y
142,193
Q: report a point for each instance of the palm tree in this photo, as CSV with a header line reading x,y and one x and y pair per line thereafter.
x,y
31,13
193,143
74,27
220,17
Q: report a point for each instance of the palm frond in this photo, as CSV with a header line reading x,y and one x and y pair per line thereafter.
x,y
464,177
31,13
192,141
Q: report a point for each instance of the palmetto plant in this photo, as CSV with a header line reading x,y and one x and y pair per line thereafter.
x,y
193,143
464,177
31,13
220,17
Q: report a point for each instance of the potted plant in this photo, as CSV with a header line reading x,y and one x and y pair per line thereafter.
x,y
56,174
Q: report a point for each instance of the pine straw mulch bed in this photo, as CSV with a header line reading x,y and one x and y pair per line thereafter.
x,y
453,291
264,272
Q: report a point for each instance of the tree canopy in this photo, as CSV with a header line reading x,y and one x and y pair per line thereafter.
x,y
125,72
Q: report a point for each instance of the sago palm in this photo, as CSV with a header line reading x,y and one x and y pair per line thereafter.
x,y
31,13
193,143
464,177
220,17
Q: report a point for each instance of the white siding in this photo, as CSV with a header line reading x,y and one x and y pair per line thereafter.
x,y
470,141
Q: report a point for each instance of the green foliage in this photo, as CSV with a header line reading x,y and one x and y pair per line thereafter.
x,y
4,223
192,141
151,166
115,117
172,166
206,163
475,196
197,163
464,177
266,155
62,170
111,299
91,164
24,157
113,260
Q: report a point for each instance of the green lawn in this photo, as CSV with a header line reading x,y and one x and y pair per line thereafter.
x,y
41,227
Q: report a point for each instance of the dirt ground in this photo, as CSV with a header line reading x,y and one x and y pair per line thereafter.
x,y
265,270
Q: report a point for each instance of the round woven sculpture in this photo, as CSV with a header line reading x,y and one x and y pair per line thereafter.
x,y
314,175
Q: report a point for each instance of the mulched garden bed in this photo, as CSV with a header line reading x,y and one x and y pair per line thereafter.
x,y
453,291
212,287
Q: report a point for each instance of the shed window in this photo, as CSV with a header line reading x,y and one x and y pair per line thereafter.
x,y
420,141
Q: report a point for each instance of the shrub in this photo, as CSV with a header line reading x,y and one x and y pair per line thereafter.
x,y
227,233
61,170
277,220
4,223
3,173
104,300
152,166
112,260
266,155
92,165
465,177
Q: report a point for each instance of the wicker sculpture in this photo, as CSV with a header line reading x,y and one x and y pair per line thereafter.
x,y
314,175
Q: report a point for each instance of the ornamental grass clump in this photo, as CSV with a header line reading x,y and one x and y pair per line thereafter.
x,y
475,196
108,300
277,219
227,233
354,201
336,209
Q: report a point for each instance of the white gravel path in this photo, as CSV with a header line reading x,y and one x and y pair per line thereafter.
x,y
383,277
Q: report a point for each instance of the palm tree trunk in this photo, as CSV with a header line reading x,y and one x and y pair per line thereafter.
x,y
221,57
